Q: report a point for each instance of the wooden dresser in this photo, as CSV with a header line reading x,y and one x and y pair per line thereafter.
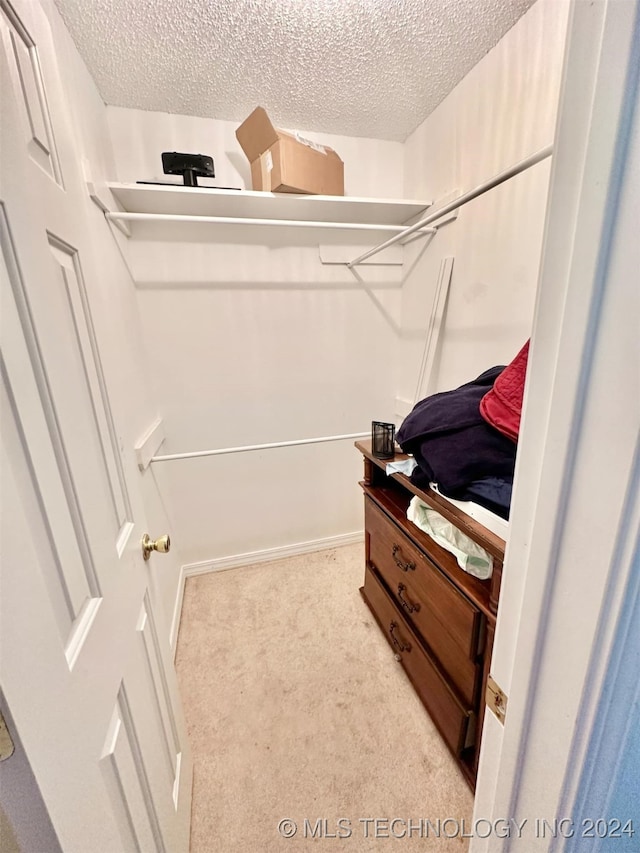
x,y
439,620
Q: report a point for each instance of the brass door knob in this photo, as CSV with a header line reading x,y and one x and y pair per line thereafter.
x,y
161,545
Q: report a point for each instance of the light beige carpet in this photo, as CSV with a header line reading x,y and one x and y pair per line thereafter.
x,y
296,709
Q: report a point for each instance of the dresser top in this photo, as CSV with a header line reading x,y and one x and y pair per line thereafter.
x,y
489,540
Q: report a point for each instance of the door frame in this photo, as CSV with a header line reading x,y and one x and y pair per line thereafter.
x,y
531,768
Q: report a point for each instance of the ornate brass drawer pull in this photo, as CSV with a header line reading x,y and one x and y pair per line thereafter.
x,y
397,642
408,606
406,567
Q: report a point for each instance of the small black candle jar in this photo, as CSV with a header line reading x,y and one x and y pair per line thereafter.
x,y
383,439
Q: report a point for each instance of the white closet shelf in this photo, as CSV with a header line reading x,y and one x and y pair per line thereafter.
x,y
247,204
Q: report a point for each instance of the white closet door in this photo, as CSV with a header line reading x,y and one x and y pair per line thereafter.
x,y
88,682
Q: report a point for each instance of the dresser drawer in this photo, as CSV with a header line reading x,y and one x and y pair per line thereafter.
x,y
451,717
448,622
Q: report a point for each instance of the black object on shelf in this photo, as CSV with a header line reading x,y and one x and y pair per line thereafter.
x,y
190,166
383,439
174,184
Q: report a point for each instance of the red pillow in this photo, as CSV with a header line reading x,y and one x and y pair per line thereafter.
x,y
502,406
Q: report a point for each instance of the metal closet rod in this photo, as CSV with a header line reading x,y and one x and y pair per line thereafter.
x,y
458,202
170,457
126,216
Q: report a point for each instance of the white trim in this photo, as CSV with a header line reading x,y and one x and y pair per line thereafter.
x,y
80,630
148,444
177,612
556,589
595,721
176,781
250,558
434,328
270,555
100,195
212,201
123,537
402,408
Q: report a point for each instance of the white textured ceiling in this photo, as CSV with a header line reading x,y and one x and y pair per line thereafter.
x,y
354,67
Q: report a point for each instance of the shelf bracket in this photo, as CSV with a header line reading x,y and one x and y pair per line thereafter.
x,y
102,198
341,255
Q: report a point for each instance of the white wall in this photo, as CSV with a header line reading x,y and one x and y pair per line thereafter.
x,y
501,112
251,340
373,167
115,312
504,110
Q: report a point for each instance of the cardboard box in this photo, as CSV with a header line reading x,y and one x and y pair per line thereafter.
x,y
284,162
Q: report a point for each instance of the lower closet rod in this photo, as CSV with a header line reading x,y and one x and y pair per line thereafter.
x,y
197,453
500,178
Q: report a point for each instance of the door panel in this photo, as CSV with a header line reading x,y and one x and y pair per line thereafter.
x,y
74,581
127,781
26,79
73,326
78,633
157,680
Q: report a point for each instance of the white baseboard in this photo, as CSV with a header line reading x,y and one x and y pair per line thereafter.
x,y
267,555
270,555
